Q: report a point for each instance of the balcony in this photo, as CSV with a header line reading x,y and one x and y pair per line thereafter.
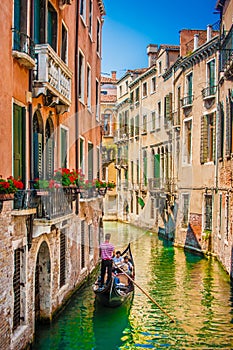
x,y
226,55
52,78
23,49
187,101
209,92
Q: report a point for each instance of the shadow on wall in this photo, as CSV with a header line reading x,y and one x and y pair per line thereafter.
x,y
191,239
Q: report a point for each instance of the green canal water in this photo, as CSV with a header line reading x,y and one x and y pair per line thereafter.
x,y
195,291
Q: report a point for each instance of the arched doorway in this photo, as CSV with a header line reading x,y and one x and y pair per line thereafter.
x,y
43,284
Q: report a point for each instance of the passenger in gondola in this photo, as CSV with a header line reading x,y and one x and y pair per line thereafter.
x,y
118,261
127,266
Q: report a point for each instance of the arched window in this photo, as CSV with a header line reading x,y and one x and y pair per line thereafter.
x,y
37,145
49,150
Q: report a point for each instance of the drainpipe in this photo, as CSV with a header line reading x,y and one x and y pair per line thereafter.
x,y
76,77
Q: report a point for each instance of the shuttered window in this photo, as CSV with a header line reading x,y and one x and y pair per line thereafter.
x,y
229,120
145,168
37,145
208,131
137,125
157,166
49,169
64,147
220,126
204,140
187,146
90,161
39,21
19,142
64,44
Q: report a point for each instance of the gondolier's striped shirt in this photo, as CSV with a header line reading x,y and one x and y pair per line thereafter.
x,y
106,250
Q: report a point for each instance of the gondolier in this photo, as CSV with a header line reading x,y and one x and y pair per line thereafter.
x,y
106,253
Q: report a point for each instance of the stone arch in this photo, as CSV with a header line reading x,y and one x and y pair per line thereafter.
x,y
43,283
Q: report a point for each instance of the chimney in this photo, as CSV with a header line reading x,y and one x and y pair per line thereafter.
x,y
114,74
196,36
152,50
209,32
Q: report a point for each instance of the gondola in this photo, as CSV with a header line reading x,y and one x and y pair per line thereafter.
x,y
119,290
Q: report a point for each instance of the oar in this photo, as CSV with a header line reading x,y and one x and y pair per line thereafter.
x,y
143,291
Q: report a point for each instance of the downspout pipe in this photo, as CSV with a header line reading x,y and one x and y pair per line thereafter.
x,y
76,77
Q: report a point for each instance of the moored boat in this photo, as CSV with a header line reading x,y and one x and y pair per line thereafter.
x,y
119,289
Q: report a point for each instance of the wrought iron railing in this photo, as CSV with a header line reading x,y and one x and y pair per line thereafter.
x,y
23,43
226,50
187,101
210,91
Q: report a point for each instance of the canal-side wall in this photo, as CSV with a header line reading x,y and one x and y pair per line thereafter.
x,y
31,288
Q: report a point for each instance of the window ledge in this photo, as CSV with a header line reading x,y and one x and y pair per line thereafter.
x,y
24,59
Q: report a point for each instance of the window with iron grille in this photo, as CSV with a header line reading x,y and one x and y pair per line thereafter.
x,y
152,213
208,212
16,288
62,258
82,244
185,209
91,239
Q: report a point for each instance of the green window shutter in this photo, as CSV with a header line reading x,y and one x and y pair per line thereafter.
x,y
63,149
157,166
90,162
228,128
38,155
52,27
17,6
145,170
204,140
49,158
19,142
37,23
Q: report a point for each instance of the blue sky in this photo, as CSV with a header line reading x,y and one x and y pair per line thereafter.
x,y
130,25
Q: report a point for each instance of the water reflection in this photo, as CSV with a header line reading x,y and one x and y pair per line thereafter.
x,y
195,291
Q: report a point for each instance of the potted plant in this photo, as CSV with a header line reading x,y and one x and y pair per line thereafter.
x,y
111,185
9,187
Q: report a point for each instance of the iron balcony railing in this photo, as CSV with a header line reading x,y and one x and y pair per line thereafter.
x,y
226,51
209,92
187,101
23,43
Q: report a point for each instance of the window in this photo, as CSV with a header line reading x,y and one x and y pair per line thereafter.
x,y
90,17
49,153
144,124
62,258
81,155
211,76
90,161
81,77
167,108
18,292
98,37
107,124
131,127
138,172
153,121
227,216
185,210
52,27
64,44
160,67
144,89
88,87
82,244
64,148
120,90
145,168
208,213
19,146
39,21
177,122
137,125
132,97
189,89
132,171
83,9
97,99
137,95
187,142
20,26
157,168
91,240
158,119
38,145
153,84
207,138
229,126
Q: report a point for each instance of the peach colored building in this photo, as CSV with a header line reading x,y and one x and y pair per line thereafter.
x,y
50,89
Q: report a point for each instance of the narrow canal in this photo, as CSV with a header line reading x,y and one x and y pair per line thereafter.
x,y
195,291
